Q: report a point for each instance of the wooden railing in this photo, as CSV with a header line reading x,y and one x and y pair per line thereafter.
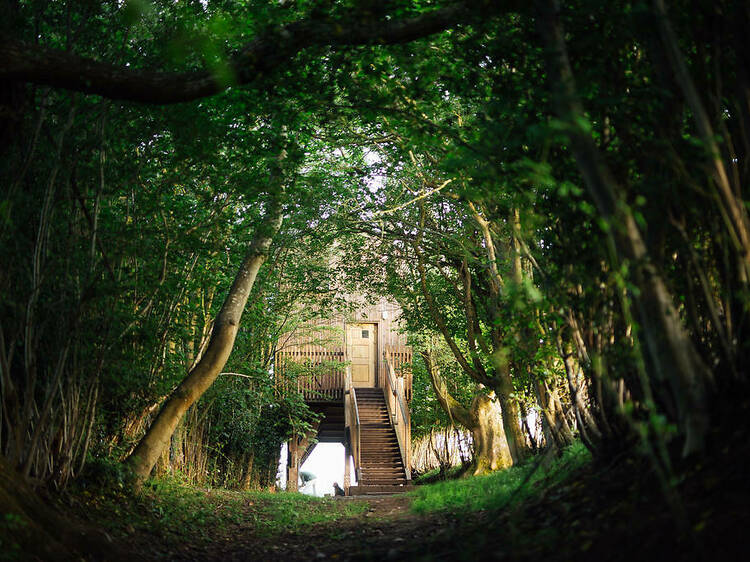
x,y
321,383
398,410
355,432
400,358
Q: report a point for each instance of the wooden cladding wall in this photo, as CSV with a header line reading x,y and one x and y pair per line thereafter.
x,y
329,385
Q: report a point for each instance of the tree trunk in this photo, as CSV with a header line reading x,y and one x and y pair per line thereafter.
x,y
200,378
511,414
556,428
491,450
483,419
247,476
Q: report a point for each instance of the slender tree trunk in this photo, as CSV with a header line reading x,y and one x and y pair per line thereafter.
x,y
730,201
672,354
144,456
247,475
556,428
502,382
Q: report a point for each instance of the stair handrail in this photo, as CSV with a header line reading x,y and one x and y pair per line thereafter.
x,y
395,390
356,437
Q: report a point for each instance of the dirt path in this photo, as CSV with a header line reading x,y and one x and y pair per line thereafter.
x,y
382,532
615,513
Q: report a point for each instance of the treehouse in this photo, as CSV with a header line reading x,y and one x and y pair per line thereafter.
x,y
354,371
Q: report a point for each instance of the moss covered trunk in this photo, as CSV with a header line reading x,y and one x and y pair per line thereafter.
x,y
483,418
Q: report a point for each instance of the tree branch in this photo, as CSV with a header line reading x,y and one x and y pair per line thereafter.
x,y
267,52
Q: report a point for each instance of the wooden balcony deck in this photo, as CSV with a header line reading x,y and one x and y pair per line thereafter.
x,y
312,370
320,373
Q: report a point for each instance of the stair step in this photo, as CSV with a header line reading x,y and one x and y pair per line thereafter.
x,y
382,470
364,490
378,431
382,477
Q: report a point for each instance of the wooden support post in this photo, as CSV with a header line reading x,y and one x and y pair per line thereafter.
x,y
347,465
292,471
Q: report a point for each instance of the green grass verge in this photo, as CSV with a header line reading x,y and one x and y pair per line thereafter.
x,y
499,489
280,512
176,511
434,475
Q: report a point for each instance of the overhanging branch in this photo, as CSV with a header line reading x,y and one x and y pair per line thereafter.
x,y
267,52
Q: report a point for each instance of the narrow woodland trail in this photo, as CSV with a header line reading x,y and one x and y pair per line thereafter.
x,y
614,513
385,529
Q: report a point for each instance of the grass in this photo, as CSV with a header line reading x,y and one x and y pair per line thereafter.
x,y
499,489
293,512
434,475
176,512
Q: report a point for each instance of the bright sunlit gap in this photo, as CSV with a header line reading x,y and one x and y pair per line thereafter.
x,y
325,463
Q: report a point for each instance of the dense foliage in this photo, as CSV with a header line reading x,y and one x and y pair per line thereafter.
x,y
553,195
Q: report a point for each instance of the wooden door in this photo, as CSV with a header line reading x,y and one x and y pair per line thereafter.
x,y
362,343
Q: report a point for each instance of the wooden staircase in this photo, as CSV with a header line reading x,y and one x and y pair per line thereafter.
x,y
381,468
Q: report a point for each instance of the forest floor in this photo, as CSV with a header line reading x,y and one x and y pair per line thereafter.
x,y
580,512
